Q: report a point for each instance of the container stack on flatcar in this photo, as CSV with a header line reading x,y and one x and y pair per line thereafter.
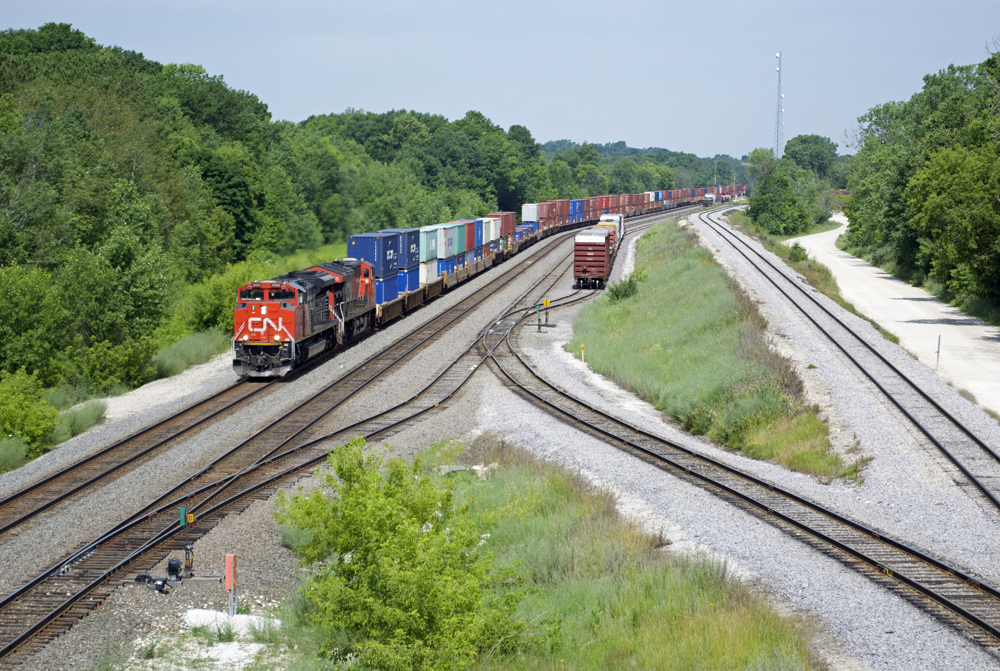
x,y
283,322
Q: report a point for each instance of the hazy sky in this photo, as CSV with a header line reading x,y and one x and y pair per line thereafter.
x,y
689,76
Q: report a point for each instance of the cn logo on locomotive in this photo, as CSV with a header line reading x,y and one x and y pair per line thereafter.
x,y
263,327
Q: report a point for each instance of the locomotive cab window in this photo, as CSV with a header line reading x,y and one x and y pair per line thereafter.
x,y
366,272
252,295
280,295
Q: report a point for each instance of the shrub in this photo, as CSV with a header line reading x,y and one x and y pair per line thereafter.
x,y
189,351
209,304
76,421
24,414
797,253
628,287
110,368
13,453
405,583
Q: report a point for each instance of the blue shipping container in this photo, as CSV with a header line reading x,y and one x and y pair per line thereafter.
x,y
575,211
408,280
379,249
479,233
479,253
386,289
446,266
409,246
493,246
470,258
460,261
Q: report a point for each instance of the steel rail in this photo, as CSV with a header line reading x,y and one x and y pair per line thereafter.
x,y
169,508
706,470
994,499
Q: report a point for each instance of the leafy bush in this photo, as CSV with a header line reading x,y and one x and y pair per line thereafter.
x,y
405,584
110,368
24,414
190,350
798,252
209,304
13,453
76,421
628,287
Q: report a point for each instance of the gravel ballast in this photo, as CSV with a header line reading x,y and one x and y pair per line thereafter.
x,y
866,626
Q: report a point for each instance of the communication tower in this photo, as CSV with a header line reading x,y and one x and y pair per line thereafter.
x,y
779,121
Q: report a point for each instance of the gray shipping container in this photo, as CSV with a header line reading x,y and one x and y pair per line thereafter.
x,y
446,240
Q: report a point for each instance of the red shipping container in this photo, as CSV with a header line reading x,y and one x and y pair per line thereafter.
x,y
470,236
508,221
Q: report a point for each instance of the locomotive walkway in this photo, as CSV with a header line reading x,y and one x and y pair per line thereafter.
x,y
970,348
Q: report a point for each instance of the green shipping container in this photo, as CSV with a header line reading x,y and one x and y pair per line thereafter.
x,y
428,243
459,237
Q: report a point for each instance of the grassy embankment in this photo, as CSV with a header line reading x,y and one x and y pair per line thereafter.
x,y
816,274
180,347
693,344
596,592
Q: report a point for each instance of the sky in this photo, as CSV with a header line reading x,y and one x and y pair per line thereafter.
x,y
688,76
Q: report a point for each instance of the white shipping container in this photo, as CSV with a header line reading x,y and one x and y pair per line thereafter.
x,y
493,226
529,212
427,270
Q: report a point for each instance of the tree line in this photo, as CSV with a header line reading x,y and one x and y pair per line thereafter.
x,y
924,186
135,196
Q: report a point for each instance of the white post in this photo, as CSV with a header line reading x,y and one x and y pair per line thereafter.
x,y
938,355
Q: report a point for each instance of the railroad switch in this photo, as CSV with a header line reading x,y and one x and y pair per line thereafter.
x,y
164,585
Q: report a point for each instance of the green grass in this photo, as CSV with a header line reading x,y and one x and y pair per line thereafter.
x,y
693,344
190,350
13,453
601,593
76,421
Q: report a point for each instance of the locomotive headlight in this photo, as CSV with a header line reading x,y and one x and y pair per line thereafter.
x,y
245,338
277,338
263,309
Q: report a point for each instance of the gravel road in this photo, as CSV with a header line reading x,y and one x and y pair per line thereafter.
x,y
970,347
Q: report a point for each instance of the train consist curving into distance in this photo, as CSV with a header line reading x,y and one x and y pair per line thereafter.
x,y
283,322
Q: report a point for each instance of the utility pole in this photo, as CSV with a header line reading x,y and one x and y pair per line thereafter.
x,y
779,122
715,171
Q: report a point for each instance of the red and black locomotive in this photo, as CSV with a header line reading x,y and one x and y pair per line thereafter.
x,y
282,323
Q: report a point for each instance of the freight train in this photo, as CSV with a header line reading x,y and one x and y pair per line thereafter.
x,y
283,322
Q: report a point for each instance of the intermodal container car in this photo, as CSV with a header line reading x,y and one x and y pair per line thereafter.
x,y
386,289
381,250
409,246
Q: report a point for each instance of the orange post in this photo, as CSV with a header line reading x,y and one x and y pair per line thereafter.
x,y
231,582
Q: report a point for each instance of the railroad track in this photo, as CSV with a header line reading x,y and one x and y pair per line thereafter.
x,y
978,462
954,597
117,459
48,605
45,607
